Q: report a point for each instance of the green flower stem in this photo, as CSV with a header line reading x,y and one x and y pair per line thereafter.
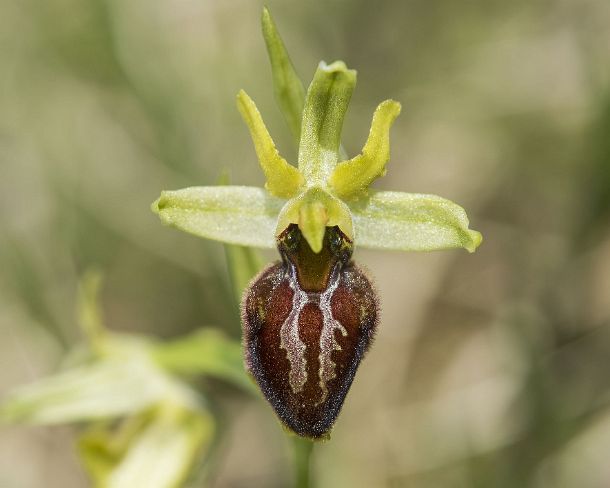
x,y
302,449
243,264
89,313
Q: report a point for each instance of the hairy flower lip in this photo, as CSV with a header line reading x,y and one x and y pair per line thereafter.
x,y
306,331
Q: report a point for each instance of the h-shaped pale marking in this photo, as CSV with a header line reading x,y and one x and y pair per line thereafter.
x,y
294,346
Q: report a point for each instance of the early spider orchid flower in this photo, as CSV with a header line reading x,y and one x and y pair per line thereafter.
x,y
309,319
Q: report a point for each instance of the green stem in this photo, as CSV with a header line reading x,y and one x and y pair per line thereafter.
x,y
302,449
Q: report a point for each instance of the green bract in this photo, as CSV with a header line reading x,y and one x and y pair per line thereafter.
x,y
325,189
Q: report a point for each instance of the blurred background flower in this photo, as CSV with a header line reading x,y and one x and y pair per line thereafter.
x,y
498,373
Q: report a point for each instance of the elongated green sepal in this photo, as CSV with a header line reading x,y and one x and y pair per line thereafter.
x,y
288,88
283,180
325,105
233,214
352,178
412,222
313,211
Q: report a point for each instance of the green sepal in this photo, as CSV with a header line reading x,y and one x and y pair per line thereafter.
x,y
242,215
313,211
412,222
350,179
288,88
283,180
325,105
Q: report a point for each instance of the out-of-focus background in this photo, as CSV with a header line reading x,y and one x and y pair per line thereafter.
x,y
489,370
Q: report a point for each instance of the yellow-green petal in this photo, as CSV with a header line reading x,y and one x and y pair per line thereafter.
x,y
283,180
352,178
412,222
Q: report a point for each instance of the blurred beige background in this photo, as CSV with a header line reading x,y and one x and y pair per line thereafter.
x,y
489,370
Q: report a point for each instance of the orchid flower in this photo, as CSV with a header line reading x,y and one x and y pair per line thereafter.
x,y
309,319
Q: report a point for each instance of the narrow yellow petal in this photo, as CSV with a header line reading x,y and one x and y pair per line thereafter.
x,y
352,178
283,179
